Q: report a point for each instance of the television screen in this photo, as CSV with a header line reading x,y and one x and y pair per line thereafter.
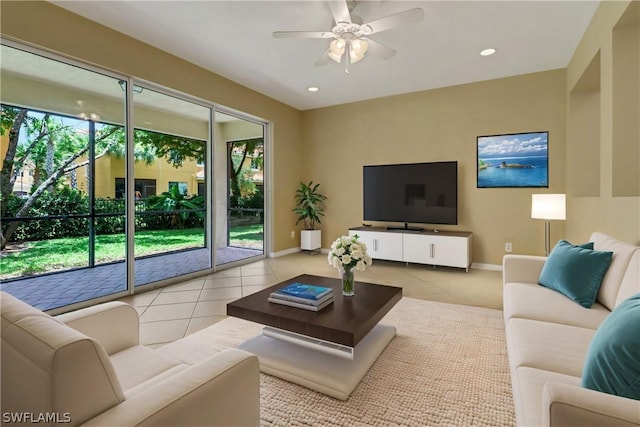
x,y
414,193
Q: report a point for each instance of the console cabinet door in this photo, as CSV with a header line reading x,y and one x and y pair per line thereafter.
x,y
449,251
417,249
381,245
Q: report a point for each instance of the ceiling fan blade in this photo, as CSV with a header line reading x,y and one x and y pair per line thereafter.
x,y
380,50
324,59
340,11
391,21
302,34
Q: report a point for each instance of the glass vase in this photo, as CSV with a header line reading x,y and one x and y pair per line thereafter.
x,y
347,282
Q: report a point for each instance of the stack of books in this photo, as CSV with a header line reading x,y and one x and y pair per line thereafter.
x,y
300,295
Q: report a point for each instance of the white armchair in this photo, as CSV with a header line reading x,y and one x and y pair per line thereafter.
x,y
87,367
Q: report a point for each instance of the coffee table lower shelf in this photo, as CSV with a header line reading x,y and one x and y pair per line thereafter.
x,y
333,375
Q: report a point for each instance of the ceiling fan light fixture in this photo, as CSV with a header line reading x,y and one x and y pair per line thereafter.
x,y
337,58
336,49
357,49
337,46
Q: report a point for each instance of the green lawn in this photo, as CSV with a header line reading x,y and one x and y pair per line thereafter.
x,y
63,254
247,236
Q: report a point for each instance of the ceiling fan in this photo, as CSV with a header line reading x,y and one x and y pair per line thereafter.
x,y
351,36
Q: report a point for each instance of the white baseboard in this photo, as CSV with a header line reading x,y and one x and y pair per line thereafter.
x,y
481,266
285,252
475,265
292,251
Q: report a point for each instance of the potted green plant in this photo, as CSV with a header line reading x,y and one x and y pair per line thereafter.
x,y
309,208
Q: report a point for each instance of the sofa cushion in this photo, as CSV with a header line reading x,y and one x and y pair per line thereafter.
x,y
535,302
547,346
612,363
575,272
622,253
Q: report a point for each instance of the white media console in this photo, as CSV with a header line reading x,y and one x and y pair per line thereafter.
x,y
445,248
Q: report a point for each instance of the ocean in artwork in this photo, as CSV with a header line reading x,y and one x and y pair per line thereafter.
x,y
518,172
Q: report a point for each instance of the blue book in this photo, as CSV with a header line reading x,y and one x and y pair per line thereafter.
x,y
301,290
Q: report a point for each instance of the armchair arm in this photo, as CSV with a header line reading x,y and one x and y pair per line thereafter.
x,y
114,324
521,268
568,405
222,390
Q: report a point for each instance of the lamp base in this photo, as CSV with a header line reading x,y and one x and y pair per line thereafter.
x,y
547,237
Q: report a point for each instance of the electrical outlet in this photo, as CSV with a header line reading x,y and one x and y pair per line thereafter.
x,y
508,247
293,234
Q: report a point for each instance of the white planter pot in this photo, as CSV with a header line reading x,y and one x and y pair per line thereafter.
x,y
310,240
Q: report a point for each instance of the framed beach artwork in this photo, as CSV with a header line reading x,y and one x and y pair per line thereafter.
x,y
513,160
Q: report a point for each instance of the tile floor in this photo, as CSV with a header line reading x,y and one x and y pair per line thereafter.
x,y
178,310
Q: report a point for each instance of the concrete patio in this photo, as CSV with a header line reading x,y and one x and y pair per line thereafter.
x,y
55,290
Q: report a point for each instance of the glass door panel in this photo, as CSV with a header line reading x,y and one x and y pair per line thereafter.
x,y
61,123
171,136
240,180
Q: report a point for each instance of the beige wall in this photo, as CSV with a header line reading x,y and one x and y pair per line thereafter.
x,y
45,25
442,125
604,122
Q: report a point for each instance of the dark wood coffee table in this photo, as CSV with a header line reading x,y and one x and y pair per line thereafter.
x,y
345,322
301,345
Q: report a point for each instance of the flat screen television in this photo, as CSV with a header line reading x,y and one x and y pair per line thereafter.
x,y
425,193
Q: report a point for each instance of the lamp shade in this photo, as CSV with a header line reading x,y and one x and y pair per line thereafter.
x,y
548,206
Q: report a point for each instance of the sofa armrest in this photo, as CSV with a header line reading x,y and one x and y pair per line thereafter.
x,y
115,325
521,268
568,405
222,390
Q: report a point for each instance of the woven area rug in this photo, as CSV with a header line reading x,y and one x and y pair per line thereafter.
x,y
447,366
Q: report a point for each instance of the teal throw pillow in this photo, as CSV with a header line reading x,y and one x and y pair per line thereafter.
x,y
575,271
612,364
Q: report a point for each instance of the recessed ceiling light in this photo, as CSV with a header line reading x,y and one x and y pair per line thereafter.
x,y
312,89
488,52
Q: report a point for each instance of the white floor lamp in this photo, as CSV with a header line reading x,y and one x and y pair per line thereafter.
x,y
548,207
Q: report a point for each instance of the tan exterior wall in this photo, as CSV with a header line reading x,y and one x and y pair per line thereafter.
x,y
442,125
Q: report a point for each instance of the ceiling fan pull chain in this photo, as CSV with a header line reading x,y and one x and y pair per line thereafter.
x,y
347,57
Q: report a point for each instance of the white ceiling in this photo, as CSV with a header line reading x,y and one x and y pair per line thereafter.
x,y
233,39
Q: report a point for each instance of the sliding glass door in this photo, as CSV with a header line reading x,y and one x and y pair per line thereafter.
x,y
63,235
171,136
240,149
109,184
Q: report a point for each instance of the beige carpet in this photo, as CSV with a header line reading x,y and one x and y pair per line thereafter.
x,y
447,366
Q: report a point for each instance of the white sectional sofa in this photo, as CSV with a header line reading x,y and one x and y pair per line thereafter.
x,y
88,368
548,336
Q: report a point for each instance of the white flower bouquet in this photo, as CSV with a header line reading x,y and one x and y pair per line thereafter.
x,y
347,253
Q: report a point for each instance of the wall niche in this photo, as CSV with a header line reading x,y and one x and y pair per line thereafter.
x,y
626,103
583,133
